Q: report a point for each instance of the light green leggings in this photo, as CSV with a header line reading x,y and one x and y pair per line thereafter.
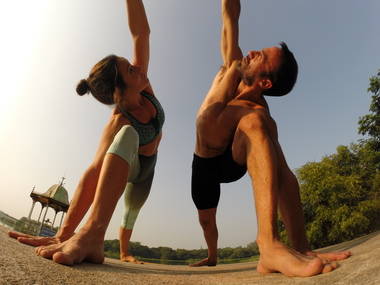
x,y
141,172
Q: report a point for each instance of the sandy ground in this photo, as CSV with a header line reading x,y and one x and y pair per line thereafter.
x,y
19,265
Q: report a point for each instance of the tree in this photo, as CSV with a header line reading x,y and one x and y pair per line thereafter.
x,y
370,124
341,193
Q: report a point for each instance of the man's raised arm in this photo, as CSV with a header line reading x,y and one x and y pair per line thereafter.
x,y
229,43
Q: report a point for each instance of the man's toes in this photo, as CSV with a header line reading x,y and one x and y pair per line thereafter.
x,y
335,256
334,265
62,258
339,257
46,251
38,249
324,260
328,268
345,254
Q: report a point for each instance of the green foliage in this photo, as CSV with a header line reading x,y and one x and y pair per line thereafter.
x,y
370,123
183,256
112,246
341,195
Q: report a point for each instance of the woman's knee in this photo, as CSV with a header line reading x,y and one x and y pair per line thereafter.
x,y
125,144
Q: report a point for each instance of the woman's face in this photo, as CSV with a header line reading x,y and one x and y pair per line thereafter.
x,y
132,75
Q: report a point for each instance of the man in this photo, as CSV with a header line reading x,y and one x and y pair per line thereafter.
x,y
235,133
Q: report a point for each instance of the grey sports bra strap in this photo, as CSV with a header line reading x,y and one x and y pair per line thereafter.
x,y
152,99
130,118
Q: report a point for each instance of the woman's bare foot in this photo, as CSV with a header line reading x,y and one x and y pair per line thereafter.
x,y
130,258
204,262
36,240
83,246
330,256
279,258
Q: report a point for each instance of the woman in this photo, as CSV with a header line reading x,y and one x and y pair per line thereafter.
x,y
125,159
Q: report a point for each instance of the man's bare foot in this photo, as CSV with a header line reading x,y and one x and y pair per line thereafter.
x,y
83,246
330,256
36,240
204,262
280,258
130,258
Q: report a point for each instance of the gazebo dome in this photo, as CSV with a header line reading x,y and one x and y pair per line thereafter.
x,y
55,197
58,193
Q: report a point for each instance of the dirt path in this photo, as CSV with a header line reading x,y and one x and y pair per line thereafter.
x,y
19,265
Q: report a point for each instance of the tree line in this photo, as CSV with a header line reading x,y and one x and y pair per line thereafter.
x,y
111,248
341,193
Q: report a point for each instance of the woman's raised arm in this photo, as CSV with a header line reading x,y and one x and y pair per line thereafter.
x,y
140,31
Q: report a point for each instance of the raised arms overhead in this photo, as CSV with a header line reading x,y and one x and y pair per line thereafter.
x,y
140,31
229,43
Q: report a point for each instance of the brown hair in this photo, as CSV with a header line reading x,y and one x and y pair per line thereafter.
x,y
102,81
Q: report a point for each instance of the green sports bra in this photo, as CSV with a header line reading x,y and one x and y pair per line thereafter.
x,y
149,131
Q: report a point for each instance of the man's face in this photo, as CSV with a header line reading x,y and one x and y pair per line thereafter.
x,y
256,63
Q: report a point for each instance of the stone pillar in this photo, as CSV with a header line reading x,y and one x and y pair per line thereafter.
x,y
42,207
31,210
52,225
43,219
60,224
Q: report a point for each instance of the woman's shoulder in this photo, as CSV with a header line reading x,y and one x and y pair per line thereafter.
x,y
117,119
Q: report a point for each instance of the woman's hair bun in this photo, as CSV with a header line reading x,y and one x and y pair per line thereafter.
x,y
83,87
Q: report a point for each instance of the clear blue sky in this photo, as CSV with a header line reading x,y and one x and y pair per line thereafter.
x,y
47,131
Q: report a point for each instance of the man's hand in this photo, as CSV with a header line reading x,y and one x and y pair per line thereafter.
x,y
229,44
35,240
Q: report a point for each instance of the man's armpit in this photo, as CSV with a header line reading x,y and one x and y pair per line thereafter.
x,y
220,75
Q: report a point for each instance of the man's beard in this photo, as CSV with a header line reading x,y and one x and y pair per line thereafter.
x,y
245,77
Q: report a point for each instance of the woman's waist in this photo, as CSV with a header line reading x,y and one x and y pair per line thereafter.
x,y
151,148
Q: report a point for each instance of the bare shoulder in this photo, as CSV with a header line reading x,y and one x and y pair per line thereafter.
x,y
113,125
116,121
255,117
258,120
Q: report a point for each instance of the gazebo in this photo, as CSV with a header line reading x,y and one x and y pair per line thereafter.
x,y
55,197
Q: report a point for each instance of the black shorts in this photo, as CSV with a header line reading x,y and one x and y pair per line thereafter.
x,y
207,175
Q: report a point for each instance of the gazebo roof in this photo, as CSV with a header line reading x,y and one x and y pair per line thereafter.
x,y
56,196
57,192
